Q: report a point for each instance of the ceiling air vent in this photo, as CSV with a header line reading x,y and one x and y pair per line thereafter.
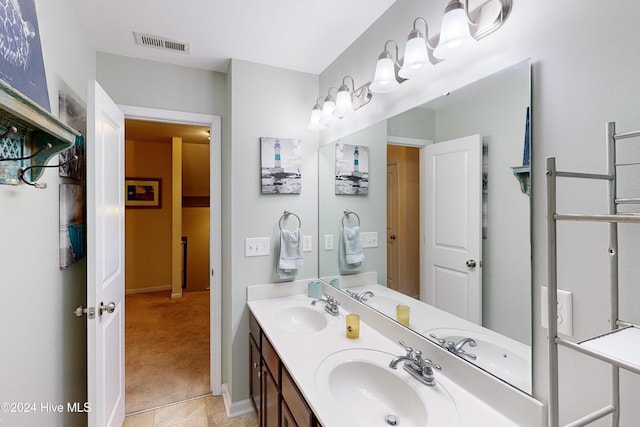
x,y
160,42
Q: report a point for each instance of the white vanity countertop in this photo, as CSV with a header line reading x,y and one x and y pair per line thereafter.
x,y
303,353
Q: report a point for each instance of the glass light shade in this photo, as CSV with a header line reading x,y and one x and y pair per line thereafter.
x,y
344,106
384,79
455,37
314,122
327,110
416,58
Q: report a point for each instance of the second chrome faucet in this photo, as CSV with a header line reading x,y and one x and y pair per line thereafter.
x,y
330,305
419,368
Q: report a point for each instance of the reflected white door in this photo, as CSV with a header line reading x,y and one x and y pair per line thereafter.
x,y
105,258
453,219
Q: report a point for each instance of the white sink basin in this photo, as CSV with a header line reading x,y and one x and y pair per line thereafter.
x,y
503,357
365,392
383,303
300,319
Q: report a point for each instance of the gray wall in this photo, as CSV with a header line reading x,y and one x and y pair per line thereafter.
x,y
269,102
43,356
581,80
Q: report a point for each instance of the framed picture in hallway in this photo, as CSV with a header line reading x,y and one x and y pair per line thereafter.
x,y
143,193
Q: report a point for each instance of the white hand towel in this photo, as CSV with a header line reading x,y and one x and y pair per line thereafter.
x,y
290,250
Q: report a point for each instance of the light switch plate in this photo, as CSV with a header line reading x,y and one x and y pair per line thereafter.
x,y
565,311
257,246
328,242
369,239
306,243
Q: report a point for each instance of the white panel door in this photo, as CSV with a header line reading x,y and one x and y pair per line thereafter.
x,y
453,219
105,258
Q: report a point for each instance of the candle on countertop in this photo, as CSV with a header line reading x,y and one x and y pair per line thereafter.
x,y
353,326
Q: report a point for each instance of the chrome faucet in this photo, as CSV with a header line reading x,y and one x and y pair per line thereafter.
x,y
359,297
419,368
457,348
330,305
363,296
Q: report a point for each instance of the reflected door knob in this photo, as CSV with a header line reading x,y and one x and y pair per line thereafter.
x,y
470,263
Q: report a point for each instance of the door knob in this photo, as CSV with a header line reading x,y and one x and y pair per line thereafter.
x,y
470,263
392,237
109,308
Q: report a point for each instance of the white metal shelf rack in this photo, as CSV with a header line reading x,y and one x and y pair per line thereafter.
x,y
621,345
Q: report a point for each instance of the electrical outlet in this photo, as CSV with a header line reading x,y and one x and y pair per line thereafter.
x,y
328,242
257,246
369,239
565,311
306,243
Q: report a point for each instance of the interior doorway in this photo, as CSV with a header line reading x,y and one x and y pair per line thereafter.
x,y
198,223
403,219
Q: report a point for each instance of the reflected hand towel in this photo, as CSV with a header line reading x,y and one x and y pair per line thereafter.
x,y
352,245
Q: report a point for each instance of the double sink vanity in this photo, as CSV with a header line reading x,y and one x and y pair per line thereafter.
x,y
306,372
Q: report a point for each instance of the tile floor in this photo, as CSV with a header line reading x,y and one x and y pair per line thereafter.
x,y
207,411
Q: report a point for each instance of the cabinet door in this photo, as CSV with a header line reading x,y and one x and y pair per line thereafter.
x,y
286,420
271,400
256,373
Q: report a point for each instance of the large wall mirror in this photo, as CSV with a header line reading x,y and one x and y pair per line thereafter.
x,y
440,198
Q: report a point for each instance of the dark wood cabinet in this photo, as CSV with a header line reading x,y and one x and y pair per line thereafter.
x,y
275,397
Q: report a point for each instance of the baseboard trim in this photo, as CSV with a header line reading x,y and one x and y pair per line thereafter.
x,y
145,290
235,409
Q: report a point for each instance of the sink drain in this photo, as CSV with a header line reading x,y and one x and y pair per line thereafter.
x,y
391,420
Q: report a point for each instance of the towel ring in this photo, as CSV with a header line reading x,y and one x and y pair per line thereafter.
x,y
347,212
286,215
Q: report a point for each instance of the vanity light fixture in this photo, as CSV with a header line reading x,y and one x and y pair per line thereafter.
x,y
416,56
328,107
316,115
344,105
462,28
455,34
459,31
384,78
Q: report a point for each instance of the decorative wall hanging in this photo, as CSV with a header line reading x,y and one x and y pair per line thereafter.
x,y
73,113
352,169
72,225
143,193
21,64
281,165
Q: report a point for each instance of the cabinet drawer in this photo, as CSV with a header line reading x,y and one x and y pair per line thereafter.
x,y
254,329
295,402
271,359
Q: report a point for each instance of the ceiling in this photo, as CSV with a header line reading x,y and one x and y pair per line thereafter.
x,y
145,131
292,34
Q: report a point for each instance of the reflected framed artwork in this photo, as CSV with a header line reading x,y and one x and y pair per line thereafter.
x,y
352,169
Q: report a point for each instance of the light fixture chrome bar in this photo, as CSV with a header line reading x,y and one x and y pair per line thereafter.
x,y
361,96
480,31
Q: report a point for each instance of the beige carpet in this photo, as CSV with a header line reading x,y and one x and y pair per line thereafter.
x,y
166,349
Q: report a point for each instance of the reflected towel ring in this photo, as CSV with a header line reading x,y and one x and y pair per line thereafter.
x,y
347,212
286,215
